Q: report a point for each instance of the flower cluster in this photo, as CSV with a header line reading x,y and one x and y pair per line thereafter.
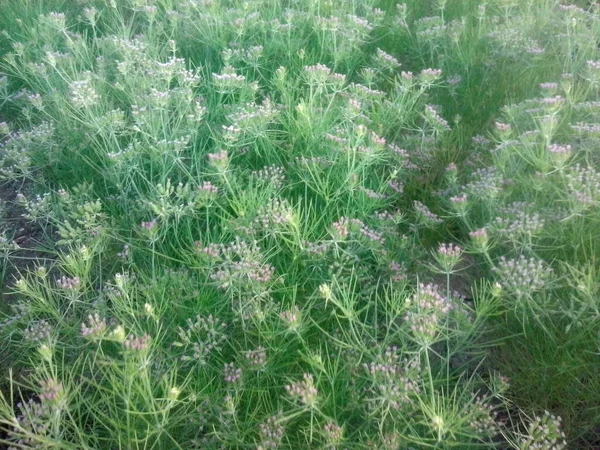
x,y
38,332
271,434
486,184
304,391
205,336
434,119
544,433
228,82
393,382
333,433
386,61
69,284
208,188
83,94
95,327
483,417
32,425
320,182
584,186
428,308
274,175
273,214
344,228
522,277
137,343
448,256
231,373
479,239
459,203
425,214
251,120
257,358
51,391
560,153
219,160
239,265
517,222
397,272
292,318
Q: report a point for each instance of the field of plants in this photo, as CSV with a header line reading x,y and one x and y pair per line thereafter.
x,y
299,224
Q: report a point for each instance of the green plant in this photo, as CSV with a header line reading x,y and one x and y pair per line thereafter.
x,y
303,224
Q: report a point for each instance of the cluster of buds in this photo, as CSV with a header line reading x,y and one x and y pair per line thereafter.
x,y
292,318
228,81
274,175
304,391
434,119
231,373
583,184
83,94
271,433
95,327
149,226
448,256
257,358
459,204
486,185
427,308
427,217
480,240
333,434
503,130
522,276
340,229
428,76
204,335
69,284
385,61
521,224
208,189
344,228
274,214
318,74
250,119
38,332
560,154
394,382
219,161
482,417
239,265
51,391
397,272
544,434
32,424
137,343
